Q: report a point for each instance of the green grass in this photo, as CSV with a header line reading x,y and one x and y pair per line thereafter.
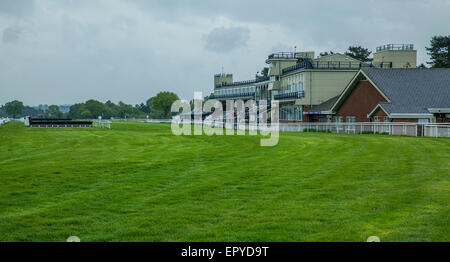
x,y
138,182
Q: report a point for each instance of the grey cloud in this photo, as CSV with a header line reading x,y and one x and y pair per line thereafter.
x,y
224,40
11,35
17,7
69,51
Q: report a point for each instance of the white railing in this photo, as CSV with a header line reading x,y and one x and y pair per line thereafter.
x,y
100,123
390,128
4,121
436,130
157,120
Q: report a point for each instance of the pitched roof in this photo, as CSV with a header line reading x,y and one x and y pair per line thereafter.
x,y
412,90
325,106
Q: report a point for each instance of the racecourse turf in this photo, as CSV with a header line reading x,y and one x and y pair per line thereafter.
x,y
138,182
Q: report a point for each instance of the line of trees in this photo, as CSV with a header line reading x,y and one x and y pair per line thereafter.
x,y
158,106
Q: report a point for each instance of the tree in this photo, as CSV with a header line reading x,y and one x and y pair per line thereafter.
x,y
113,107
359,53
264,73
326,53
162,104
421,66
3,112
30,111
126,110
148,103
76,110
53,111
439,52
143,108
97,109
14,108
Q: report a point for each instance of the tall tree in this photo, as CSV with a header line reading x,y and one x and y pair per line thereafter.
x,y
126,110
53,111
264,73
359,52
439,52
143,108
149,105
14,108
162,103
2,111
97,109
30,111
76,110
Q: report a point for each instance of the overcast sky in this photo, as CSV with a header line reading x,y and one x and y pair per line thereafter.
x,y
68,51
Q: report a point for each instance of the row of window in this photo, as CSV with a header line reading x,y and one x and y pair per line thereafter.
x,y
235,90
352,119
292,79
290,89
377,119
291,113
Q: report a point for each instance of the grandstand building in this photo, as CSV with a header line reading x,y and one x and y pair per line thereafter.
x,y
307,86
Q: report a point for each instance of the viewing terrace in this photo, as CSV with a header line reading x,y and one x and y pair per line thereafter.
x,y
335,66
395,47
282,55
238,95
292,95
244,83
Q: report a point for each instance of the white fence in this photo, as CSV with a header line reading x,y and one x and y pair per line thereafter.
x,y
436,130
390,128
4,121
100,123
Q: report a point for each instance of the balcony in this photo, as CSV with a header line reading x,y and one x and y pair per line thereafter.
x,y
233,96
395,47
293,95
245,83
282,55
337,65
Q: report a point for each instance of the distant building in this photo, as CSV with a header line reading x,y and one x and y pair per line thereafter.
x,y
393,95
305,85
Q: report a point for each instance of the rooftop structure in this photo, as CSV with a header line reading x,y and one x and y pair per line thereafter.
x,y
399,55
395,47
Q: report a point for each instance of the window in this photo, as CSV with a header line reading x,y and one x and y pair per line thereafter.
x,y
386,119
338,119
350,120
291,113
376,119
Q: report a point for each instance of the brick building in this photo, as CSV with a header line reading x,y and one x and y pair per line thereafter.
x,y
393,95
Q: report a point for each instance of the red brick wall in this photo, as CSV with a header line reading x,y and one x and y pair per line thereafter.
x,y
408,120
379,113
360,102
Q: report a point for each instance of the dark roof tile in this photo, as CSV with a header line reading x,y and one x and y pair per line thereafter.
x,y
412,90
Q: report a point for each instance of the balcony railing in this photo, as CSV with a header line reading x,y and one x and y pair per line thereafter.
x,y
244,83
395,47
248,94
282,55
333,65
293,95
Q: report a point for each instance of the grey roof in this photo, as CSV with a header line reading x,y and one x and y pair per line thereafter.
x,y
412,90
325,106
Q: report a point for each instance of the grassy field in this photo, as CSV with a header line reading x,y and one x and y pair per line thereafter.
x,y
138,182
